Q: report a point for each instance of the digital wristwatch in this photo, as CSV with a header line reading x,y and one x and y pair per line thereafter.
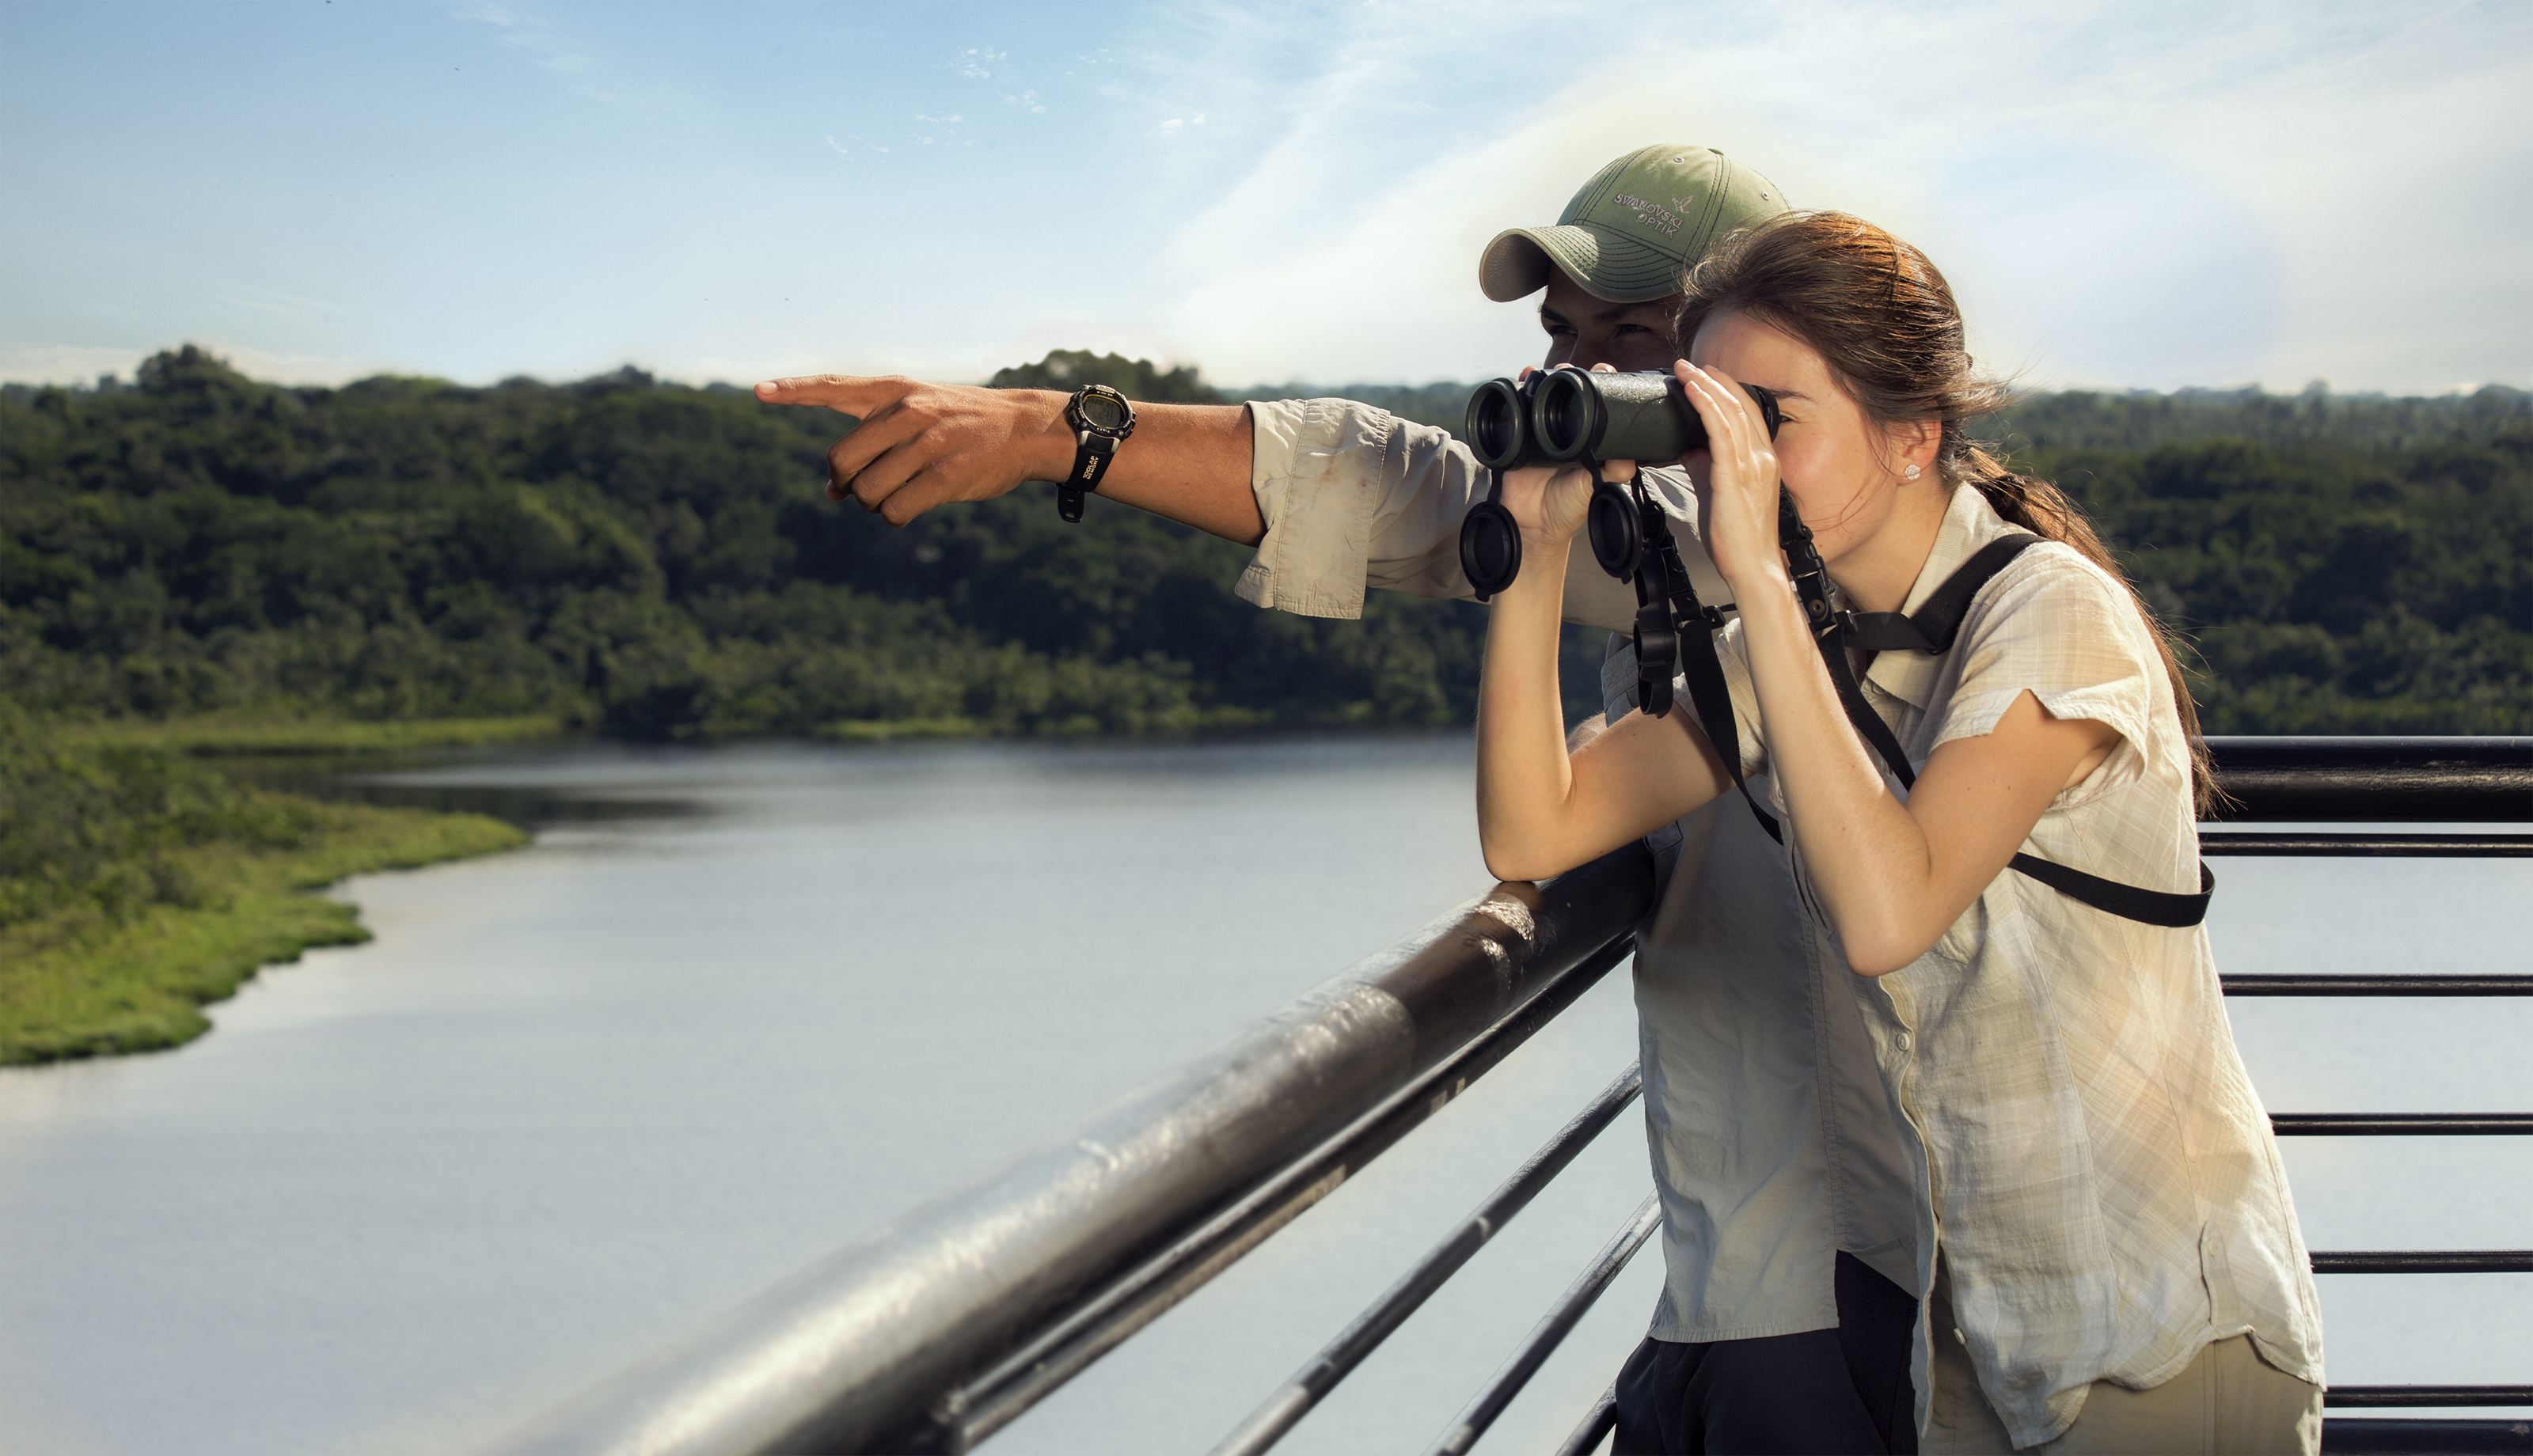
x,y
1101,419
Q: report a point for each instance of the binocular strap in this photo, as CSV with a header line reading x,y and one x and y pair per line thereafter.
x,y
1691,626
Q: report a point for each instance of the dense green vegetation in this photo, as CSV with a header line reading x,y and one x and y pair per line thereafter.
x,y
657,560
136,884
638,559
2344,565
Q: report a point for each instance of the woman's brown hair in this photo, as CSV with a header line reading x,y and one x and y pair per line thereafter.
x,y
1883,317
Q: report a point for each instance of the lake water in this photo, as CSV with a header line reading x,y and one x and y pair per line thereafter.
x,y
735,1006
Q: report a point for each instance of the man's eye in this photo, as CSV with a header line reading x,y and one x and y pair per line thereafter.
x,y
1634,329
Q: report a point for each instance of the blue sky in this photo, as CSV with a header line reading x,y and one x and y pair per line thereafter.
x,y
2125,195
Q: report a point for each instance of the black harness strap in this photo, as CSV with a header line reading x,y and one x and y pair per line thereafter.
x,y
2128,902
1811,586
1932,630
1939,619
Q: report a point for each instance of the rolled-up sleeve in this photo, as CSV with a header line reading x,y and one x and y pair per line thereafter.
x,y
1354,497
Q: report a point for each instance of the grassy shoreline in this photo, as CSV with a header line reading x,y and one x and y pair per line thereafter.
x,y
222,737
139,884
78,983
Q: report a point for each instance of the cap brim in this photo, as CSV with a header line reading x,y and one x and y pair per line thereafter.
x,y
1603,264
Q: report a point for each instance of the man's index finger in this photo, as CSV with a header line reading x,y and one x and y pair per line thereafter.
x,y
844,393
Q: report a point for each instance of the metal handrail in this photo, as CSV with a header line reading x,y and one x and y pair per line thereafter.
x,y
873,1347
940,1328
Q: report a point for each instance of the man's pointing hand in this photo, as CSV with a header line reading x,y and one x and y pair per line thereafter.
x,y
919,444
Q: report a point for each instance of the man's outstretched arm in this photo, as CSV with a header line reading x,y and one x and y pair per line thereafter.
x,y
919,445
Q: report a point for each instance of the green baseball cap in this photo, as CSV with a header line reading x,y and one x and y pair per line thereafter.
x,y
1635,228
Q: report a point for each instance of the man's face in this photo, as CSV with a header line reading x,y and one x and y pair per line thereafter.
x,y
1583,331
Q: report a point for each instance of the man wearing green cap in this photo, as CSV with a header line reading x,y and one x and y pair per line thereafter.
x,y
1789,1304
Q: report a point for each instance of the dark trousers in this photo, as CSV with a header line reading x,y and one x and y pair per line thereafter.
x,y
1843,1390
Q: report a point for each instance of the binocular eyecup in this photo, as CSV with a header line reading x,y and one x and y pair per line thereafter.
x,y
1499,430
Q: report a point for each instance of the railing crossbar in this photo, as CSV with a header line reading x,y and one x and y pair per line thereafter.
x,y
1551,1331
1007,1391
2229,841
2292,984
1322,1374
2383,1397
1598,1422
2426,1261
2342,1436
2401,1123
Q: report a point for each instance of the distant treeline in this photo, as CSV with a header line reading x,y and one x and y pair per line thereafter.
x,y
657,560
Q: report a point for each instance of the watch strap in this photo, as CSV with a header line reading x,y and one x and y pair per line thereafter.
x,y
1092,452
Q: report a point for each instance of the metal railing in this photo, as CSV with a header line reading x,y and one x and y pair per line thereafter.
x,y
936,1330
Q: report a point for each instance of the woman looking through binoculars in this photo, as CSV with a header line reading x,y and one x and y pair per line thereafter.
x,y
1995,833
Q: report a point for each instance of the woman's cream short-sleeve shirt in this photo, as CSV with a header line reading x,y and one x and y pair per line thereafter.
x,y
2090,1157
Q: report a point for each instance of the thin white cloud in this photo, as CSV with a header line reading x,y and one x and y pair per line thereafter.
x,y
2267,196
536,35
278,304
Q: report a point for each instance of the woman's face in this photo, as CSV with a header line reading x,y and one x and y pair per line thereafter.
x,y
1840,466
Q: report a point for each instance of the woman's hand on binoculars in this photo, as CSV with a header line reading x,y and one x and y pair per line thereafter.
x,y
1553,502
1737,496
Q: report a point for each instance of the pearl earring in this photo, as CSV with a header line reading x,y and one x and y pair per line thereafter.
x,y
1912,472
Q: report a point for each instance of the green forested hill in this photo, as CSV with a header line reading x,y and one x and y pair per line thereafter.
x,y
642,558
659,561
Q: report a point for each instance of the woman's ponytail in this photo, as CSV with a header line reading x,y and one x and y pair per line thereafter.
x,y
2041,508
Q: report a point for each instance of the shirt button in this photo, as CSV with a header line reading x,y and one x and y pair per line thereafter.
x,y
1901,1041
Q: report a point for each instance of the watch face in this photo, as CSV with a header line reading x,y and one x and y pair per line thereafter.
x,y
1099,412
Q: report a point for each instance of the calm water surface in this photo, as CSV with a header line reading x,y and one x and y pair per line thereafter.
x,y
735,1006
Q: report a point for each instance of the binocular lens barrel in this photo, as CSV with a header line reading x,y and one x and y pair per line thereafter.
x,y
1564,415
1643,416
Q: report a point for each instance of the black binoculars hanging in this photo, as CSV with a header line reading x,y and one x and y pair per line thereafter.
x,y
1569,417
